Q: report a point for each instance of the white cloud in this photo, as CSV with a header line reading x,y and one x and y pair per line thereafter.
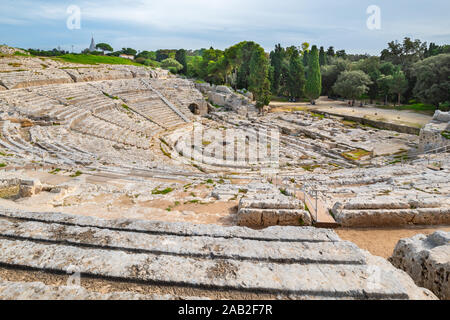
x,y
216,22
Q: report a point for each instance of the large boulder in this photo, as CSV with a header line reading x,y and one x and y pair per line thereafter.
x,y
441,116
426,260
217,98
436,134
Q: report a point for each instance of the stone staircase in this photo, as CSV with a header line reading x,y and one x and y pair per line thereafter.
x,y
225,263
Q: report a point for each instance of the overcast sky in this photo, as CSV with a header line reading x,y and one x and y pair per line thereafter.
x,y
193,24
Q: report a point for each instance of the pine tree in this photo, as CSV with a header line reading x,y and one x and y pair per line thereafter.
x,y
314,78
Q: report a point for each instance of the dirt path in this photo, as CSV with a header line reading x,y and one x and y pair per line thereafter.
x,y
403,117
382,242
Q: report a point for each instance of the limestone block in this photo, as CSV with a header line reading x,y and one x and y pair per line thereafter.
x,y
29,188
441,116
427,261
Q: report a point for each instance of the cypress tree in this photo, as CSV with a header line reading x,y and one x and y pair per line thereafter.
x,y
259,83
322,57
180,56
296,76
314,79
305,58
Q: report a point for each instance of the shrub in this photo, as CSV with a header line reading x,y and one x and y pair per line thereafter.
x,y
172,65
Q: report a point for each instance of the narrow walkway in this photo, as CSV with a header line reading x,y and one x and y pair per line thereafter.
x,y
319,211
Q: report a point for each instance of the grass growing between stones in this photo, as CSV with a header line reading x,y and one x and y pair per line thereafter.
x,y
6,154
167,154
2,165
357,154
316,115
445,134
76,174
311,168
163,192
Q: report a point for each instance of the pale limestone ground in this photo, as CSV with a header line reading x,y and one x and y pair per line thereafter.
x,y
403,117
115,198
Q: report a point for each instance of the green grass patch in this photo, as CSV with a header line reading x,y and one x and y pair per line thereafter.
x,y
55,171
20,54
2,165
94,60
284,192
165,191
419,107
356,155
317,115
76,174
445,134
311,168
14,64
6,154
126,107
279,99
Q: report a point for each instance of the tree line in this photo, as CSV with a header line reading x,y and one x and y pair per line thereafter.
x,y
410,71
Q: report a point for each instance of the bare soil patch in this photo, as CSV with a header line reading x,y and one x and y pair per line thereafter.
x,y
382,242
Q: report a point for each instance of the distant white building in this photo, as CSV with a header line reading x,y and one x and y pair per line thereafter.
x,y
127,56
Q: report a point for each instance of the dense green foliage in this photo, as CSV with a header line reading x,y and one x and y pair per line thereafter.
x,y
47,53
295,82
258,79
409,72
433,79
313,87
352,84
104,47
172,65
180,56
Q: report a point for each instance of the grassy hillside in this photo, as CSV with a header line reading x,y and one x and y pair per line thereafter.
x,y
91,59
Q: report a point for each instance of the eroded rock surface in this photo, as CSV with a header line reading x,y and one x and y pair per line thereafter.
x,y
284,261
427,260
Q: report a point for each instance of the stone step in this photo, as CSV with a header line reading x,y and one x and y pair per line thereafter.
x,y
283,234
394,217
255,217
39,291
202,247
277,202
167,270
